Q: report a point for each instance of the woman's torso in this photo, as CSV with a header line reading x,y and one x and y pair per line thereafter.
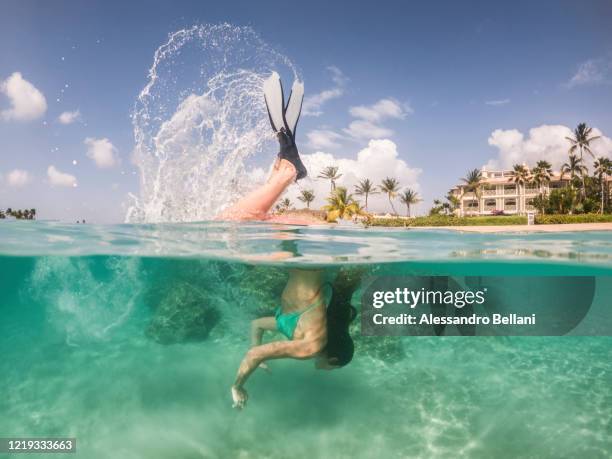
x,y
305,293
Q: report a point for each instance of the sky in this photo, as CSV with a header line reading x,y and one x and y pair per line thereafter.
x,y
422,91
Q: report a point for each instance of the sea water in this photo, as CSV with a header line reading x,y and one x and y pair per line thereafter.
x,y
128,337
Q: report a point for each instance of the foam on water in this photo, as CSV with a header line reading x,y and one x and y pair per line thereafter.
x,y
85,301
199,120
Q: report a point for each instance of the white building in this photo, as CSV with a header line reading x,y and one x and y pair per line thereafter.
x,y
498,192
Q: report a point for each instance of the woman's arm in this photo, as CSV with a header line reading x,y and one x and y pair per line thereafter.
x,y
297,349
258,326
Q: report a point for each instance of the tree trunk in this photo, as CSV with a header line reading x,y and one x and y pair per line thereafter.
x,y
602,195
392,206
366,206
583,194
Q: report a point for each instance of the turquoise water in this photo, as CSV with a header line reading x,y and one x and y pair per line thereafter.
x,y
128,337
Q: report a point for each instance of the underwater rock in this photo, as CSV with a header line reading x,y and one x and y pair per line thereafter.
x,y
184,314
184,293
262,286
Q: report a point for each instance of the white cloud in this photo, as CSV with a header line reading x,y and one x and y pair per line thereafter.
x,y
313,104
383,109
369,118
58,178
27,102
497,102
362,129
69,117
18,178
545,142
337,76
592,71
102,151
324,139
377,161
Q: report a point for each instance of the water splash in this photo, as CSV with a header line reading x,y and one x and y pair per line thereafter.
x,y
199,120
86,300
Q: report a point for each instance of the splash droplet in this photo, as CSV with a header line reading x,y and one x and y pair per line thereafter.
x,y
199,121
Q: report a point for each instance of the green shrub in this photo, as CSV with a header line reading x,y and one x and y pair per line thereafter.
x,y
446,220
581,218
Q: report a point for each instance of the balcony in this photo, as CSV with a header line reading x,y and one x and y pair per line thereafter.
x,y
510,191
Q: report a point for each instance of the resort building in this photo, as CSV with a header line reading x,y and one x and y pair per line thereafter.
x,y
499,193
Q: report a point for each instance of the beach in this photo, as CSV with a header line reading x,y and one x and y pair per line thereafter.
x,y
558,228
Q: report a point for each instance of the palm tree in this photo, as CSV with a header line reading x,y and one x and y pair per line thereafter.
x,y
307,196
409,197
542,174
32,213
581,141
365,188
341,205
603,167
284,205
452,202
521,177
391,187
473,183
330,173
574,168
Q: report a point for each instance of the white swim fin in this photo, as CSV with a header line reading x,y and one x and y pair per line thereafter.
x,y
294,106
273,94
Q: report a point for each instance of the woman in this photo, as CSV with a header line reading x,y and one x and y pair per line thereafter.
x,y
314,320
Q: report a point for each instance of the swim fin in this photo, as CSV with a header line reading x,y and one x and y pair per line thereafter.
x,y
273,95
289,152
284,119
294,106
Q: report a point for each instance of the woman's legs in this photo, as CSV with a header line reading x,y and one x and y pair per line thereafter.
x,y
255,205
